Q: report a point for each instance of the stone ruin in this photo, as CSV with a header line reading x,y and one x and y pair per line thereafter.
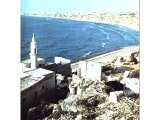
x,y
89,70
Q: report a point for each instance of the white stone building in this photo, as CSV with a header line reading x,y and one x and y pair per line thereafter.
x,y
36,82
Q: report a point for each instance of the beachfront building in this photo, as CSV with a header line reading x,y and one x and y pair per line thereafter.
x,y
34,61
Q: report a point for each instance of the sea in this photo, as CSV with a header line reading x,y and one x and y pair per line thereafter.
x,y
73,39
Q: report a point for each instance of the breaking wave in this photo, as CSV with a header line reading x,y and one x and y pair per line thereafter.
x,y
86,54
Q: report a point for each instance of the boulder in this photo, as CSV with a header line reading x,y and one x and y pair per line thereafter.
x,y
104,77
126,74
132,84
79,117
79,90
68,102
113,97
118,61
32,113
72,108
134,74
112,86
113,78
128,92
133,59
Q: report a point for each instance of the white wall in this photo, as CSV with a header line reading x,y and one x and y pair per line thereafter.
x,y
61,60
89,70
82,69
93,71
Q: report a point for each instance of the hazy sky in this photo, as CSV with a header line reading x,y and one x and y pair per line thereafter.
x,y
79,5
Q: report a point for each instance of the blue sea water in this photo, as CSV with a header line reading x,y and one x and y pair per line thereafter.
x,y
72,39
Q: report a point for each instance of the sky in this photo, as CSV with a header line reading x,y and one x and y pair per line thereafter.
x,y
36,6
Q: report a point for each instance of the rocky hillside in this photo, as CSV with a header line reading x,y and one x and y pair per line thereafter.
x,y
114,97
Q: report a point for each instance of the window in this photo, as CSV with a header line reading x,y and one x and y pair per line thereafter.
x,y
35,93
42,87
35,51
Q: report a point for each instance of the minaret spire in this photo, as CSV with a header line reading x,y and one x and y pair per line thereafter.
x,y
33,39
33,53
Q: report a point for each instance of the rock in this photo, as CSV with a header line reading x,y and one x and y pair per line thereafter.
x,y
55,115
113,86
79,90
89,116
126,74
68,102
134,74
79,117
122,118
121,69
67,115
89,103
40,111
72,90
128,92
118,61
72,108
104,77
109,78
133,59
113,97
57,107
107,70
32,113
94,87
132,84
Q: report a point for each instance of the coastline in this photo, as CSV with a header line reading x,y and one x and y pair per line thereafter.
x,y
122,24
108,56
122,20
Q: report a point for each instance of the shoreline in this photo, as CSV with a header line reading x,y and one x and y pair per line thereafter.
x,y
118,24
108,56
113,21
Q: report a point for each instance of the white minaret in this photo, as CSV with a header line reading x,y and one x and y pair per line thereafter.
x,y
33,53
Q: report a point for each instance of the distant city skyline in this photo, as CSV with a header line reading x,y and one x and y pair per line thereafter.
x,y
39,6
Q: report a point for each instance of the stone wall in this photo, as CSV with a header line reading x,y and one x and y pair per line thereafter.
x,y
31,96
